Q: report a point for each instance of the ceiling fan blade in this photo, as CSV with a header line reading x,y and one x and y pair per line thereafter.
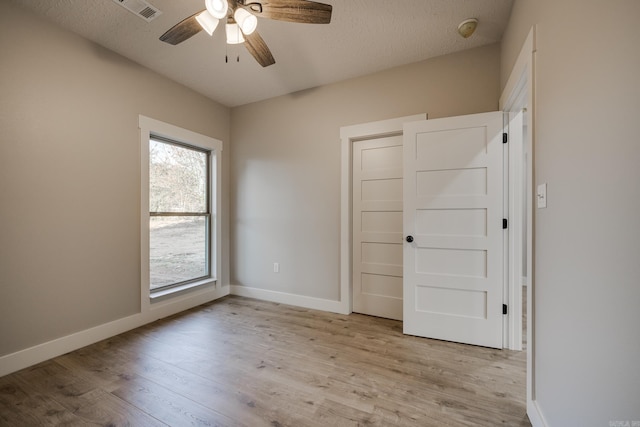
x,y
259,49
183,30
304,11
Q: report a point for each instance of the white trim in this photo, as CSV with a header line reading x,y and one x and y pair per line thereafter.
x,y
348,134
514,212
515,101
45,351
512,90
290,299
150,126
535,415
166,293
506,254
167,130
522,78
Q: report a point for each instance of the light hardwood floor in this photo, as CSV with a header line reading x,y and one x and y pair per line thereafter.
x,y
239,361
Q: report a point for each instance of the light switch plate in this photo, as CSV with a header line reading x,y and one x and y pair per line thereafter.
x,y
541,195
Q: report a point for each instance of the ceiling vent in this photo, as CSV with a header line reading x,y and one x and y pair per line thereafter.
x,y
140,8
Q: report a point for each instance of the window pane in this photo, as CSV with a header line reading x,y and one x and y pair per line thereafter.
x,y
177,178
177,249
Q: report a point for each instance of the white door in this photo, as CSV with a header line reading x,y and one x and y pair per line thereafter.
x,y
453,216
377,227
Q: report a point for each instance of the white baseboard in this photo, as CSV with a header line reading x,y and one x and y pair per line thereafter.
x,y
290,299
39,353
535,415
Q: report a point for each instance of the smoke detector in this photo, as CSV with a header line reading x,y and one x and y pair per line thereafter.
x,y
467,27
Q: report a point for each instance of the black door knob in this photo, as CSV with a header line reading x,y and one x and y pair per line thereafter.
x,y
409,239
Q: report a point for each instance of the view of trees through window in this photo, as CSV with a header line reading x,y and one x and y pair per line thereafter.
x,y
179,213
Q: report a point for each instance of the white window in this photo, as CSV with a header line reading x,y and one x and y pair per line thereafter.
x,y
180,186
179,213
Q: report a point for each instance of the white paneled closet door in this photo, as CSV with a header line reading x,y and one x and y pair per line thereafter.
x,y
377,227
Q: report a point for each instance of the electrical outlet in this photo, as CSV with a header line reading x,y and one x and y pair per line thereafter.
x,y
276,267
541,195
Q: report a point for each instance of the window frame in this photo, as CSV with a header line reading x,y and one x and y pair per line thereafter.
x,y
206,214
150,128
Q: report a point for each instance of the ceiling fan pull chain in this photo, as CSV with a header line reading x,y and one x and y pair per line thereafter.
x,y
239,35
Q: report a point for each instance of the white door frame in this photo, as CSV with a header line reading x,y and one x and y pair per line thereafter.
x,y
519,93
349,134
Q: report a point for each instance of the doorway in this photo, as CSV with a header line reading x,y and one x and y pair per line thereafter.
x,y
377,226
359,137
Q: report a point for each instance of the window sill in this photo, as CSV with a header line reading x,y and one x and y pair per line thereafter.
x,y
155,296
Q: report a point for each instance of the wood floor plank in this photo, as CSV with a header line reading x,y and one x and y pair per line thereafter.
x,y
103,408
19,407
239,361
75,395
229,398
167,406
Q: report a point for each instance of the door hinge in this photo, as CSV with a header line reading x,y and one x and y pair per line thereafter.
x,y
505,223
504,308
505,138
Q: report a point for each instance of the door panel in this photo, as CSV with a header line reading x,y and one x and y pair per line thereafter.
x,y
377,227
452,222
453,208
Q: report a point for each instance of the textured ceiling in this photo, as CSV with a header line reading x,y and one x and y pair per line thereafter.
x,y
363,37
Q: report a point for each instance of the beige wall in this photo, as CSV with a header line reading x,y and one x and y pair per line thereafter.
x,y
70,177
286,163
587,269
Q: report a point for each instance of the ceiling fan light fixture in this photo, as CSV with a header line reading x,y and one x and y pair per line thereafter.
x,y
234,35
245,20
217,8
207,22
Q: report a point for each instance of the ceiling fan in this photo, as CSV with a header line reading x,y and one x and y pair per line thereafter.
x,y
240,17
